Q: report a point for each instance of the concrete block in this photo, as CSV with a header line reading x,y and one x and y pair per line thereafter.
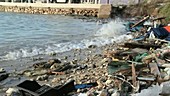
x,y
104,11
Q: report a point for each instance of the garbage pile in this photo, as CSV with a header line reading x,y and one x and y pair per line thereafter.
x,y
143,61
130,67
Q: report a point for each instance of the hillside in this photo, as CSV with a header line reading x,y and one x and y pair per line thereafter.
x,y
155,8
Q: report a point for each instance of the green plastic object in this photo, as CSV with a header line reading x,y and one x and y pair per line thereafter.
x,y
115,66
139,57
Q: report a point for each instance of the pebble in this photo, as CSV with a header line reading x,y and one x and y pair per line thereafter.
x,y
54,66
42,78
115,94
111,91
2,70
92,46
52,61
108,82
52,54
28,74
13,92
103,93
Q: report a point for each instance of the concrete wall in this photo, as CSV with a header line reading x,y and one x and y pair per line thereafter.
x,y
96,10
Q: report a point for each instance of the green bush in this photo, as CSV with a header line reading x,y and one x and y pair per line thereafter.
x,y
165,11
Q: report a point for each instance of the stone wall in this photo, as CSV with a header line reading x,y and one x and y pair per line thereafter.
x,y
48,10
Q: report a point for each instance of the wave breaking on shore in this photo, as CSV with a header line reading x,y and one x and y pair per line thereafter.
x,y
111,32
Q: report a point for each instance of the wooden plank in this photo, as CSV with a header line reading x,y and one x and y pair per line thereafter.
x,y
133,75
141,21
141,45
154,69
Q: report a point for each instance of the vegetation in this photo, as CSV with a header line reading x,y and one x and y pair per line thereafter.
x,y
165,11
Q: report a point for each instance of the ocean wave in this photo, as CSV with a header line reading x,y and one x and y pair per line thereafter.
x,y
113,31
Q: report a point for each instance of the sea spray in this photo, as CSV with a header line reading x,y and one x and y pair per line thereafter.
x,y
113,31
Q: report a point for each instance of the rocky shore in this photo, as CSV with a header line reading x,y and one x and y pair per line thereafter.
x,y
118,69
82,65
92,65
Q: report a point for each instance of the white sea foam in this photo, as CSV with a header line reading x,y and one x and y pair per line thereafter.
x,y
113,31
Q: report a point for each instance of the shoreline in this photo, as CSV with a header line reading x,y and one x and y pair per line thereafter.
x,y
85,57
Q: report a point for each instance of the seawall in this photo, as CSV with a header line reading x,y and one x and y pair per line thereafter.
x,y
95,10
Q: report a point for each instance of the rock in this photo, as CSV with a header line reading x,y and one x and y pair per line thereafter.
x,y
89,93
65,57
54,66
92,46
103,93
100,84
83,94
80,67
115,94
165,88
42,78
39,72
166,77
41,65
106,60
167,70
56,80
3,76
37,58
111,91
78,90
108,82
52,54
28,74
2,70
93,66
13,92
52,61
74,61
60,67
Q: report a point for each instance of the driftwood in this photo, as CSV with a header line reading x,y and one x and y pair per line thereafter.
x,y
140,45
159,18
133,75
140,22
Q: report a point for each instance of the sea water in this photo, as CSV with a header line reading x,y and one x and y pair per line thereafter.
x,y
26,35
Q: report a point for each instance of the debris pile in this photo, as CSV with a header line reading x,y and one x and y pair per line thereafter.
x,y
123,69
